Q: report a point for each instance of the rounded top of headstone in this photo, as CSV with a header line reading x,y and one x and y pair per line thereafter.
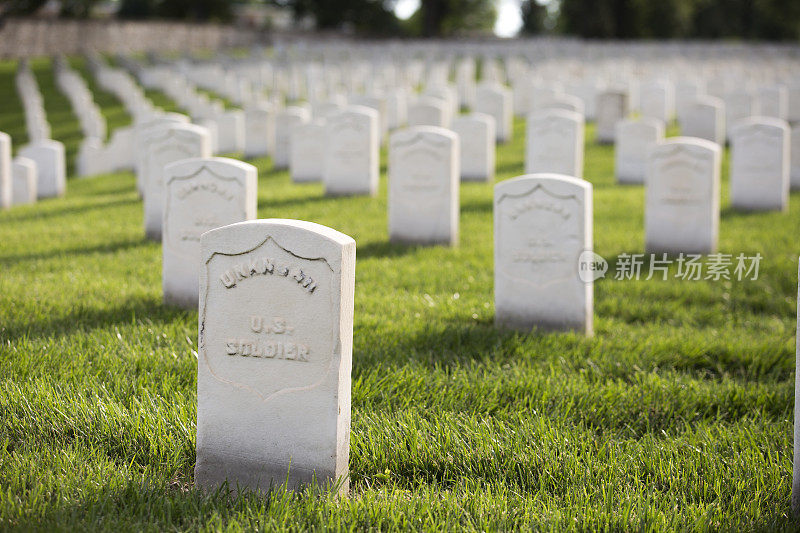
x,y
215,164
414,133
543,177
760,122
555,112
231,236
688,142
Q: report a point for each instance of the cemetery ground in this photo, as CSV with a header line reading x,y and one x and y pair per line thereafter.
x,y
677,414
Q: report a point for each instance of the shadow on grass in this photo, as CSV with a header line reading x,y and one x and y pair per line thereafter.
x,y
384,249
45,212
107,248
85,319
730,212
264,203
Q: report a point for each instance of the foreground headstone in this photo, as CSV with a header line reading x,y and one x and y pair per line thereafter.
x,y
760,164
172,143
351,148
274,355
424,186
635,137
23,186
6,176
200,194
682,196
554,142
612,106
51,167
477,136
705,119
542,226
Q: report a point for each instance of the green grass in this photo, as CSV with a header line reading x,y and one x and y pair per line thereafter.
x,y
677,414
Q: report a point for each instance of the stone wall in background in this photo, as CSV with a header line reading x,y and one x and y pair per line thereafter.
x,y
36,37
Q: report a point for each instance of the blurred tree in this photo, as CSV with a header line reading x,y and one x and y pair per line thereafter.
x,y
444,18
137,9
197,10
665,19
534,15
9,8
371,17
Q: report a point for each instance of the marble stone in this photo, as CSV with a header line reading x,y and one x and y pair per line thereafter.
x,y
351,148
428,111
51,167
200,194
760,164
496,101
635,137
171,143
477,136
794,158
285,121
6,175
682,196
307,151
274,356
554,142
424,186
23,186
542,226
612,106
705,119
258,128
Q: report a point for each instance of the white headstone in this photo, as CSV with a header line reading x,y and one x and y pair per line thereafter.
x,y
738,105
6,176
307,151
682,196
200,195
477,136
554,142
760,164
171,143
24,181
258,128
351,148
773,101
274,355
143,131
635,137
657,100
542,226
428,111
796,461
794,172
51,167
284,122
705,119
230,131
612,106
496,101
424,186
